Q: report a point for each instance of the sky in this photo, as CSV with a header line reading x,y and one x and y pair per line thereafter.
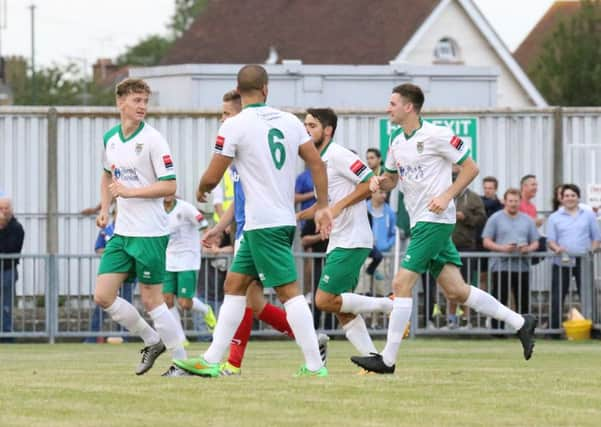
x,y
84,30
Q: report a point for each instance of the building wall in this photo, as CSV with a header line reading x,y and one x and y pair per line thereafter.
x,y
475,51
295,85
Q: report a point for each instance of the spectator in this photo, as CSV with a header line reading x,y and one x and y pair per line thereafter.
x,y
311,241
471,216
126,291
528,190
383,223
492,205
570,230
374,160
556,201
211,289
511,232
491,201
11,242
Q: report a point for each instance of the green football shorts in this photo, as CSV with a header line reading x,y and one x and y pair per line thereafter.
x,y
182,284
141,257
341,270
430,248
266,254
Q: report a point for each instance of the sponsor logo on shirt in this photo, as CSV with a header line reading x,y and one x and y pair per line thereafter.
x,y
219,143
358,167
411,172
167,161
124,174
457,143
139,148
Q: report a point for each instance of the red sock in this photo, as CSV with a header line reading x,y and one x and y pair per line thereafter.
x,y
276,317
241,337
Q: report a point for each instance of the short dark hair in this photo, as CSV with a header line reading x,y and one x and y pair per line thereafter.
x,y
325,116
526,178
491,179
251,78
231,96
513,191
376,152
572,187
412,93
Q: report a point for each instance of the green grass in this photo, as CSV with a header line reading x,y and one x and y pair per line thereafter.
x,y
437,382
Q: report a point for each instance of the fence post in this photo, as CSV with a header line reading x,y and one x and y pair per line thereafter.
x,y
52,228
587,287
558,157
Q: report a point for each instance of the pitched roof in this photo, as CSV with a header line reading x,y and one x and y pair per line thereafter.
x,y
530,49
314,31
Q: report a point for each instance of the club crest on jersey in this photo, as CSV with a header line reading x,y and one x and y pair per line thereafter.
x,y
420,146
457,143
219,143
358,167
139,148
167,161
113,145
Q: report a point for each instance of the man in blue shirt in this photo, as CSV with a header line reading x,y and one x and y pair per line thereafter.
x,y
571,230
304,192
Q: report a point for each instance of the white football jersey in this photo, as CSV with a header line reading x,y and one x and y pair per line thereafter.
x,y
183,250
345,170
139,161
264,143
424,162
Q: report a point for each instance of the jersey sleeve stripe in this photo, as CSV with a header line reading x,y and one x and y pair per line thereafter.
x,y
367,177
464,157
167,178
390,170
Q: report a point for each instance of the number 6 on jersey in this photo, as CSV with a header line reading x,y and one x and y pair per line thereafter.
x,y
275,137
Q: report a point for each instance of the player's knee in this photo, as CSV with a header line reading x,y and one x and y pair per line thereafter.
x,y
325,302
102,300
184,303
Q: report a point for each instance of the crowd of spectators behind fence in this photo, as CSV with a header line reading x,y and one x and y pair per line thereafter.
x,y
484,223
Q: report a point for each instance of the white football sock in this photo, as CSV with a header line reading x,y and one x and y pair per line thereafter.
x,y
230,316
356,333
170,330
486,304
301,322
127,316
399,318
355,304
198,305
175,312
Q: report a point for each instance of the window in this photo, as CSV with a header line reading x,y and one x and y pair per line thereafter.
x,y
447,51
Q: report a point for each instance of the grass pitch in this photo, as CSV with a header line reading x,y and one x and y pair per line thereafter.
x,y
437,382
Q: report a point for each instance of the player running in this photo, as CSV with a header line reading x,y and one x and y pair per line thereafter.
x,y
256,304
264,143
183,262
138,172
421,156
351,239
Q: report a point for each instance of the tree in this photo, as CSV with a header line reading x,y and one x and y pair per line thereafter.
x,y
146,52
568,72
60,85
185,13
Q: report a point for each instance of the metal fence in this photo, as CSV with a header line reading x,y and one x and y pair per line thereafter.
x,y
51,296
50,158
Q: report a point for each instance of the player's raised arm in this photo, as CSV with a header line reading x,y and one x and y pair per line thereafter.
x,y
217,167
